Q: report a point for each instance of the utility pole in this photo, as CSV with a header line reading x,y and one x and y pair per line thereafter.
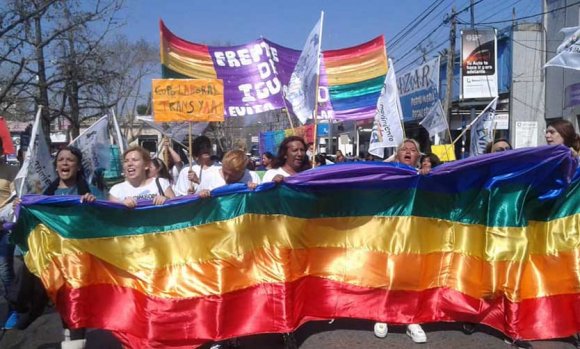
x,y
450,58
472,110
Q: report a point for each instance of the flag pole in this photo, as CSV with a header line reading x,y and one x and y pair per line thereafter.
x,y
450,136
315,116
448,128
399,109
190,146
473,122
288,113
190,152
118,132
30,146
465,130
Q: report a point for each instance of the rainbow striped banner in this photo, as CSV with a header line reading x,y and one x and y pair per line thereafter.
x,y
493,239
256,74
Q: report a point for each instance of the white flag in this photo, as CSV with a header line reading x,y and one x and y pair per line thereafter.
x,y
387,128
482,130
177,131
94,144
569,51
37,171
303,86
121,141
435,121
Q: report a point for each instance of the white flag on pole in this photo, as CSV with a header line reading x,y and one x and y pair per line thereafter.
x,y
435,121
121,141
387,129
482,129
302,88
37,171
569,51
94,144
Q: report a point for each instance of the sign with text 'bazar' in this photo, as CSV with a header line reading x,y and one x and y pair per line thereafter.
x,y
188,100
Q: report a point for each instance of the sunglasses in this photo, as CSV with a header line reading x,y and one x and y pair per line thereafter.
x,y
502,149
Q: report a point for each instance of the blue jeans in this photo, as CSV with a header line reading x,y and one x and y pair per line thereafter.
x,y
6,260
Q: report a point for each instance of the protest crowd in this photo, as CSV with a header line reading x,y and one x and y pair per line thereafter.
x,y
151,181
187,246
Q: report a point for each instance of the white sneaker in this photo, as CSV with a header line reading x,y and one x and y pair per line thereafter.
x,y
72,344
416,333
381,329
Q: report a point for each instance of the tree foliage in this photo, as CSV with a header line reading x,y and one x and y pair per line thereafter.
x,y
65,56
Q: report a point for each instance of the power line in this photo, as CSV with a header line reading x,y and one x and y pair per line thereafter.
x,y
412,25
415,60
502,9
530,16
531,47
416,25
445,21
403,45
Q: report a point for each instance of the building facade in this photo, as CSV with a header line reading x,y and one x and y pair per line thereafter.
x,y
562,85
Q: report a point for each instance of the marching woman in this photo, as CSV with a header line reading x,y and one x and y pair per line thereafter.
x,y
159,170
28,293
407,153
138,184
190,177
233,170
291,159
562,132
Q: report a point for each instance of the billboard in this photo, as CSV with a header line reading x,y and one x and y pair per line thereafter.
x,y
478,63
419,89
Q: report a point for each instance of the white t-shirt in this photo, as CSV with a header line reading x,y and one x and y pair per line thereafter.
x,y
270,174
183,184
174,175
255,177
150,190
212,178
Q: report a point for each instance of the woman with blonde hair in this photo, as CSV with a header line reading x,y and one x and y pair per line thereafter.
x,y
138,184
233,170
407,153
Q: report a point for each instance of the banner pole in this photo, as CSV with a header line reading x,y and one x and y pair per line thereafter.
x,y
190,146
190,153
288,113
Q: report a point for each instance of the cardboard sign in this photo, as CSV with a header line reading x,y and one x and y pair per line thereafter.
x,y
188,100
445,152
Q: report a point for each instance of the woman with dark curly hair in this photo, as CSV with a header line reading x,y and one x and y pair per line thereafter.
x,y
428,162
291,159
500,144
29,297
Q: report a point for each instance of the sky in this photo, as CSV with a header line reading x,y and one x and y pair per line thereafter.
x,y
346,22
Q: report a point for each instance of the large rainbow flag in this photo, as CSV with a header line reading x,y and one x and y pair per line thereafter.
x,y
256,74
493,239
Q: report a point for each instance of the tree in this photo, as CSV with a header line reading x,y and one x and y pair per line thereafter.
x,y
72,35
